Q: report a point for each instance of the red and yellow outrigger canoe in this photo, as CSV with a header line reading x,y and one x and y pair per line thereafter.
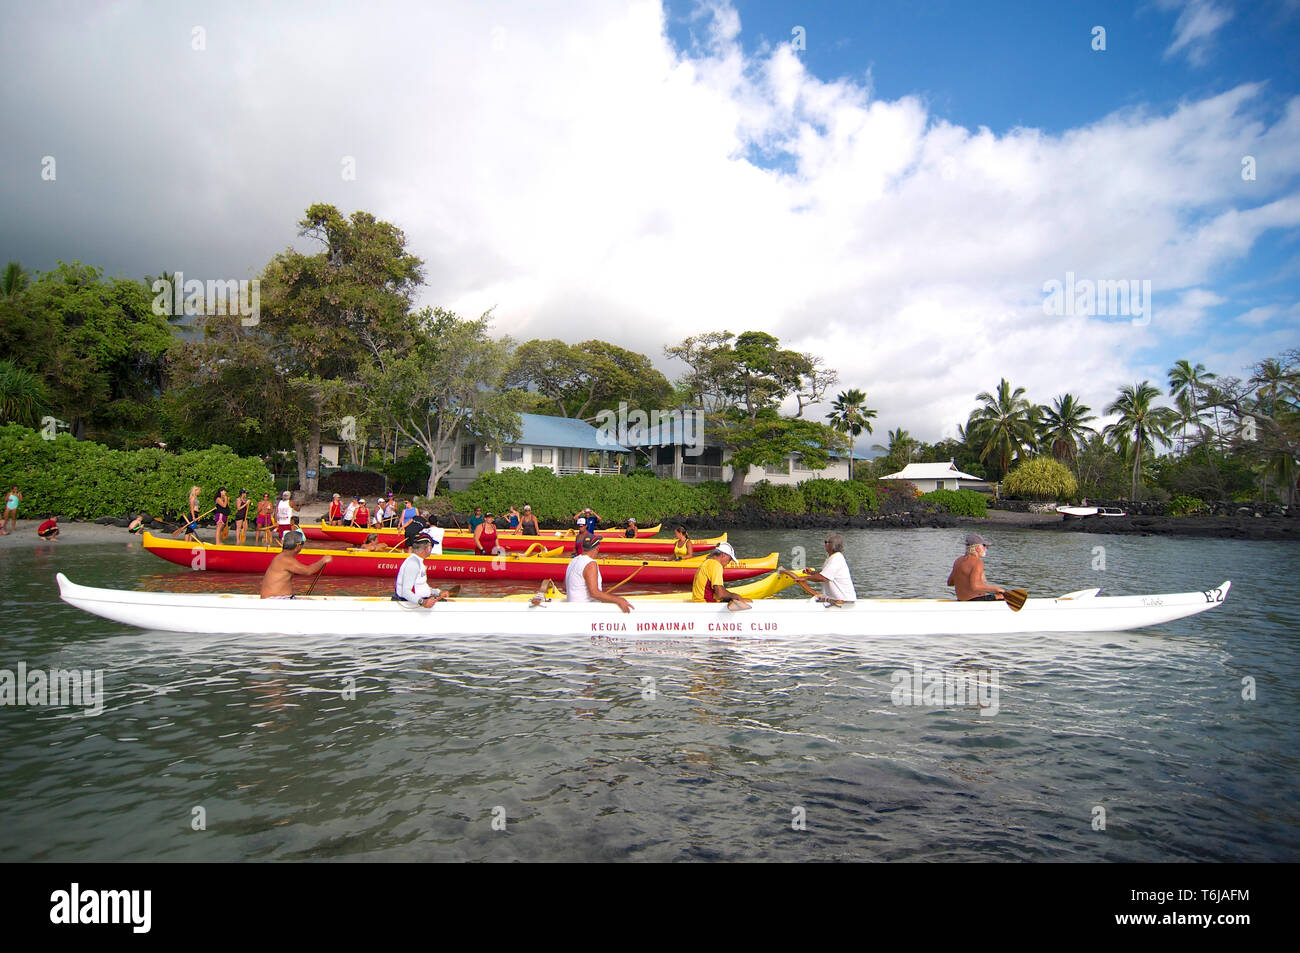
x,y
516,542
213,558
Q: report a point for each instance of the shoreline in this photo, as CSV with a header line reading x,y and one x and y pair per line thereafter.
x,y
1247,528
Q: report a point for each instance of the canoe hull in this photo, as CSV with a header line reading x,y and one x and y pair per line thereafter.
x,y
254,559
651,620
462,541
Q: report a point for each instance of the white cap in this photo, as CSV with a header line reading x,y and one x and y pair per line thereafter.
x,y
725,548
284,495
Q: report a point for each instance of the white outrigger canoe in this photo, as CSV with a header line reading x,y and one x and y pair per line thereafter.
x,y
653,618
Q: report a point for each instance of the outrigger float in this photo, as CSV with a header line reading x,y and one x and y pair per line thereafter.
x,y
210,557
653,618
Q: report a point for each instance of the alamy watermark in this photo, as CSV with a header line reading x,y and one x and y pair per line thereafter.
x,y
658,428
58,688
176,296
940,688
1127,297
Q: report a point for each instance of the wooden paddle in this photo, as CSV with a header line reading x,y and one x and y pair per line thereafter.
x,y
1015,598
178,529
314,579
630,577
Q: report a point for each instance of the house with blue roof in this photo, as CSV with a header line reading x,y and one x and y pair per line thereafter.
x,y
561,444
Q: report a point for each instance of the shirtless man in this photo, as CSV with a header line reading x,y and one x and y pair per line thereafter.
x,y
968,574
278,581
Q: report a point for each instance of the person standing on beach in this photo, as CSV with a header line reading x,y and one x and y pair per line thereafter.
x,y
967,575
335,516
192,523
221,507
512,517
284,513
528,522
241,517
12,499
264,510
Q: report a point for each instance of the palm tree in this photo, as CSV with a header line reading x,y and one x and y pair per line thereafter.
x,y
1004,426
1066,425
23,396
14,280
901,445
849,416
1140,425
1193,380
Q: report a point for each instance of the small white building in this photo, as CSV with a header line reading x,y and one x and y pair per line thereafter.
x,y
561,444
938,476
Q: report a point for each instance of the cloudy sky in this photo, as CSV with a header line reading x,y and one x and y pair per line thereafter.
x,y
892,189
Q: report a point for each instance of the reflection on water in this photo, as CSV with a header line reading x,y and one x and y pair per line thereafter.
x,y
398,749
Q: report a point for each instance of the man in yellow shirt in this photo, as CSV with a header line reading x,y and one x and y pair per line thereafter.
x,y
708,586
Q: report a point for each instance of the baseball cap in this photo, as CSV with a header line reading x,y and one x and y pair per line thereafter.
x,y
590,542
725,548
527,507
975,539
284,495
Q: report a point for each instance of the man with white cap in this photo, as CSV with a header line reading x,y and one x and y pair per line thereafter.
x,y
967,575
412,583
708,586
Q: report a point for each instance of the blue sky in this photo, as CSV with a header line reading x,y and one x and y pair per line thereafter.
x,y
894,198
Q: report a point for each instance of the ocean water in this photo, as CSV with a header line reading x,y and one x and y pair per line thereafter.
x,y
1176,742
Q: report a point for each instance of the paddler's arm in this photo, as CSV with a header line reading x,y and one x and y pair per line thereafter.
x,y
980,585
298,569
589,575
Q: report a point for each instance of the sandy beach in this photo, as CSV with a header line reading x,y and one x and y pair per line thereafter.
x,y
74,533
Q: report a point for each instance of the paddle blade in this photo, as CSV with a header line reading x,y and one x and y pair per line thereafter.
x,y
452,592
1016,598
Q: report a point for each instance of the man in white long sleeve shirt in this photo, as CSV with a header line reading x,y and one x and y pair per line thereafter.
x,y
412,578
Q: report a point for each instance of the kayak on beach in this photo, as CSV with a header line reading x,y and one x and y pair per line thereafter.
x,y
1082,611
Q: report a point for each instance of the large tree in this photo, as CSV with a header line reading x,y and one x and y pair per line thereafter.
x,y
442,387
741,381
581,380
96,343
1140,425
328,315
1066,426
1003,427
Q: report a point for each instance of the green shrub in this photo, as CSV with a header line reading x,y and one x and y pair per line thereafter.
x,y
1187,506
959,502
555,499
777,498
84,480
849,498
1041,478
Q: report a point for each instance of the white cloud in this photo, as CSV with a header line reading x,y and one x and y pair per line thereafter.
x,y
586,179
1195,29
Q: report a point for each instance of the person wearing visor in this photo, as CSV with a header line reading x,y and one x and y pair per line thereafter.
x,y
412,583
277,582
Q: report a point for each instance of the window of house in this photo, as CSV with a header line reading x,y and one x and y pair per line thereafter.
x,y
511,454
800,466
938,485
543,456
467,455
